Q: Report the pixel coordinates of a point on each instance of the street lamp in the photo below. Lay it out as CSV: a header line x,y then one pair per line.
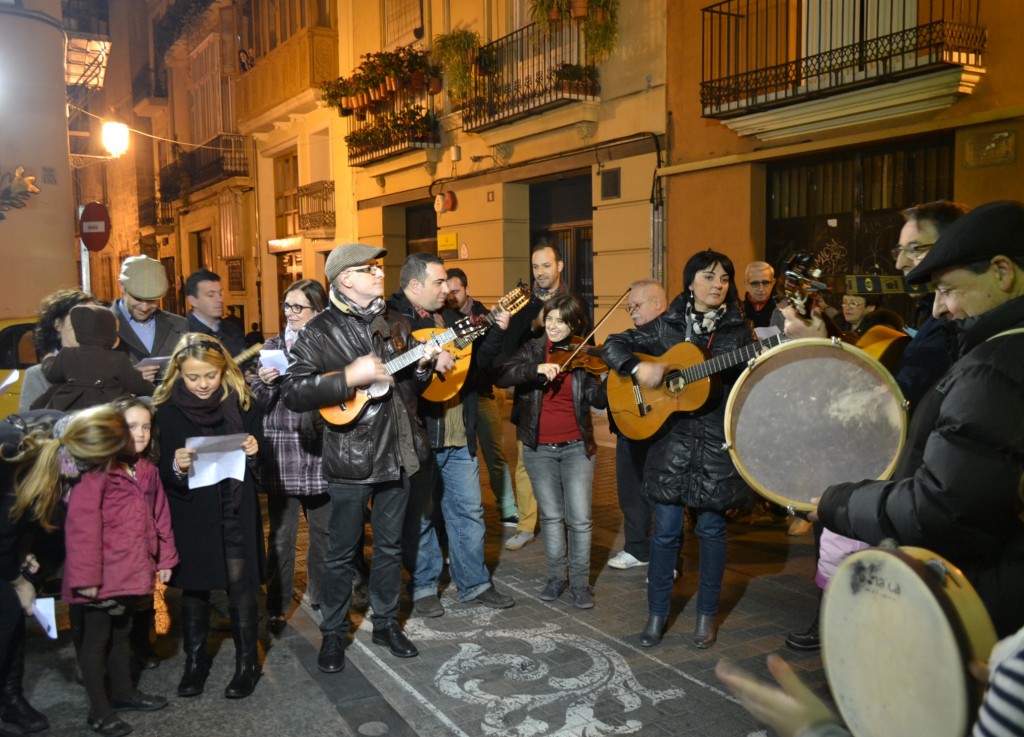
x,y
115,138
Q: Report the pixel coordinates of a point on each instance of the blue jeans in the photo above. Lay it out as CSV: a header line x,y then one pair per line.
x,y
463,513
562,479
348,502
665,542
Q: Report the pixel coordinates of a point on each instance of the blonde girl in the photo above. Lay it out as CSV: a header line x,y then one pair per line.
x,y
218,527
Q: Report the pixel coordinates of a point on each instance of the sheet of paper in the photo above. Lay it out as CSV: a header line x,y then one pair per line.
x,y
43,611
160,361
217,458
274,359
765,333
9,381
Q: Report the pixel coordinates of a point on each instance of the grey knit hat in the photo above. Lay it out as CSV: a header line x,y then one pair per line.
x,y
349,255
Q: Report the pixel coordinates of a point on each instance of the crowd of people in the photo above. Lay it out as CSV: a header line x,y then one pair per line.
x,y
342,428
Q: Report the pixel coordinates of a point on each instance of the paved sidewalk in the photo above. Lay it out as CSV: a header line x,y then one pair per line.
x,y
535,670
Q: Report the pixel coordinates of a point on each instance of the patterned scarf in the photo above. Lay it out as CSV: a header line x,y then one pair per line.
x,y
704,323
208,414
545,294
367,314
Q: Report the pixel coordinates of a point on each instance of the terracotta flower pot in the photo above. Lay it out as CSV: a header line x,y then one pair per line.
x,y
579,9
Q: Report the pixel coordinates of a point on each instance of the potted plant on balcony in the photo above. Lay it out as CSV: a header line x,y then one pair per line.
x,y
579,9
548,11
455,51
601,29
576,79
433,79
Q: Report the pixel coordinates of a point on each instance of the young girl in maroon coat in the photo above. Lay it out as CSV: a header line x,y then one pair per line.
x,y
118,538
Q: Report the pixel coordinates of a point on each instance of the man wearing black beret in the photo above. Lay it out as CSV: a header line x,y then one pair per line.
x,y
956,486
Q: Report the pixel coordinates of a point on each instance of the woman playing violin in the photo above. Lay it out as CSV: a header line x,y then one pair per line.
x,y
559,451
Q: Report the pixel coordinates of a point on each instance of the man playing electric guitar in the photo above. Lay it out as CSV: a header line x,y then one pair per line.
x,y
451,428
371,458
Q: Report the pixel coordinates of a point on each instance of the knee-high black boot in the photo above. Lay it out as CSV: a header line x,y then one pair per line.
x,y
16,708
244,631
195,625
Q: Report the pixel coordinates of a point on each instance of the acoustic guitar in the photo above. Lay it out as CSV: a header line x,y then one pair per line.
x,y
640,412
445,386
348,411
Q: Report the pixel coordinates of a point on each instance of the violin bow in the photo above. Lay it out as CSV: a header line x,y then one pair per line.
x,y
583,343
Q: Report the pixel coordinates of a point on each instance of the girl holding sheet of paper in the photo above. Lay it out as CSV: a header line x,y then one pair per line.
x,y
218,527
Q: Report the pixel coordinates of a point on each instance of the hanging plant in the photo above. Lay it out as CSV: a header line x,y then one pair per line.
x,y
549,11
601,29
455,51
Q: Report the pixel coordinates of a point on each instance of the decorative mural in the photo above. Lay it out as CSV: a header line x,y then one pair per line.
x,y
15,189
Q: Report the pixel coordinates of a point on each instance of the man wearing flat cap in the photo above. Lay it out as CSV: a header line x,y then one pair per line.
x,y
369,456
145,329
956,488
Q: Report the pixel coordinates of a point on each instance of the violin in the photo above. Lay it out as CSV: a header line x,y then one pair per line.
x,y
582,356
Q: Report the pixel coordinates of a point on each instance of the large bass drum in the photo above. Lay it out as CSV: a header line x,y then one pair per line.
x,y
812,413
899,628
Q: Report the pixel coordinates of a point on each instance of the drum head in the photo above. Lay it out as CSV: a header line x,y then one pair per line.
x,y
897,639
812,413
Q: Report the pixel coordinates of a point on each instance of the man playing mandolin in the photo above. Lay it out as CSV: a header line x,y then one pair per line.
x,y
340,351
451,429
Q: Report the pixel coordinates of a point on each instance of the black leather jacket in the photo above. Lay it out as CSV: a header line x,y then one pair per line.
x,y
687,463
369,449
521,372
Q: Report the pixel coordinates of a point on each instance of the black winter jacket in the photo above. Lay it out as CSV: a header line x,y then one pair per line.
x,y
686,463
956,487
369,449
485,351
521,371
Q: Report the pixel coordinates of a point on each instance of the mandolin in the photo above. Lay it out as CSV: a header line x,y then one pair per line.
x,y
349,410
640,412
445,386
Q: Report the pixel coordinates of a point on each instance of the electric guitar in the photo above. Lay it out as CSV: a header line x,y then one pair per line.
x,y
640,412
445,386
347,411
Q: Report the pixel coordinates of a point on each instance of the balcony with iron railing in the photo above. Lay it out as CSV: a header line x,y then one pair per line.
x,y
316,209
401,121
764,54
149,91
528,71
223,157
155,214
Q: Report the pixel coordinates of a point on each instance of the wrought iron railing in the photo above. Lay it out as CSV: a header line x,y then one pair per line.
x,y
316,205
403,121
526,71
222,157
759,54
149,83
180,15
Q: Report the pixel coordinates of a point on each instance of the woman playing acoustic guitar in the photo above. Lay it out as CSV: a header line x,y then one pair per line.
x,y
687,465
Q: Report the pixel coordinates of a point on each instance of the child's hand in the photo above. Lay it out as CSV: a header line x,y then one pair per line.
x,y
163,575
89,592
250,446
183,458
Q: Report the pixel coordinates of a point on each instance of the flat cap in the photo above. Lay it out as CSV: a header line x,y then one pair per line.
x,y
144,278
349,255
993,229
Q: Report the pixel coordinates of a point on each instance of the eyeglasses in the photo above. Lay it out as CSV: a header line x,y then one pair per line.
x,y
911,250
368,269
633,306
854,303
297,309
765,283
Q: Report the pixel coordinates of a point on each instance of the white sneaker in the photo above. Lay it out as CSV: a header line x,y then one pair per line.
x,y
518,540
623,560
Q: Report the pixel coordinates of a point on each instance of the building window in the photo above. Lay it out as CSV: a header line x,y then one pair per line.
x,y
403,22
286,195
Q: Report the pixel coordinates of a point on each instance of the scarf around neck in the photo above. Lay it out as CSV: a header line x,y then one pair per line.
x,y
704,323
367,314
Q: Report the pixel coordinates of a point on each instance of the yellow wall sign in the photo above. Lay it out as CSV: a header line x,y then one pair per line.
x,y
448,245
